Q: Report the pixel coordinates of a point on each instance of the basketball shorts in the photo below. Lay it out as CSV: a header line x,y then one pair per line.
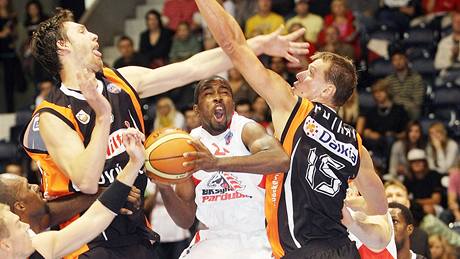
x,y
330,249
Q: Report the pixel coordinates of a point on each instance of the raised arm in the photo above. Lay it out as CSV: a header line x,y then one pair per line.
x,y
267,155
55,244
83,166
150,82
266,83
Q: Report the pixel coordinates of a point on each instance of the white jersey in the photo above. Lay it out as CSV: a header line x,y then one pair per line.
x,y
228,201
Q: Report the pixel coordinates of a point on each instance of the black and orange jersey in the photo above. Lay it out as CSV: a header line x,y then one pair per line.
x,y
71,107
304,204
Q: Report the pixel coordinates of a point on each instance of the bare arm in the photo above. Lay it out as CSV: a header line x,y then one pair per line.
x,y
149,82
266,83
180,203
267,155
54,244
370,186
65,208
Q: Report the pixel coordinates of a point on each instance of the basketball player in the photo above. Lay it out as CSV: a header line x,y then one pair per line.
x,y
17,242
304,206
228,202
85,112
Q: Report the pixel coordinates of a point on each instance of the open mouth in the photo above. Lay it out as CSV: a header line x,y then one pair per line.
x,y
96,52
219,114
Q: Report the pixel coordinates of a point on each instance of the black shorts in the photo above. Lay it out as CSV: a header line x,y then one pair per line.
x,y
326,249
138,251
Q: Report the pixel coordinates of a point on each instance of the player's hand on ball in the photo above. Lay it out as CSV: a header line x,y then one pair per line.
x,y
202,158
132,140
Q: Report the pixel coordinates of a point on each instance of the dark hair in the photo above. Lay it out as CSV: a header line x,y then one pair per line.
x,y
44,40
244,102
28,19
421,143
124,37
205,82
341,73
405,212
157,15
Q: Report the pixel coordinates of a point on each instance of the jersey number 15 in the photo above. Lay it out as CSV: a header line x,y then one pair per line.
x,y
325,164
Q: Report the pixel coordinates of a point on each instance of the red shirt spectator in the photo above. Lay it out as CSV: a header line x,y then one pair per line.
x,y
341,18
434,6
179,11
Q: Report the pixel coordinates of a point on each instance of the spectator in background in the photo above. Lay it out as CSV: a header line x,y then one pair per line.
x,y
382,124
177,11
13,78
439,248
334,45
128,56
294,68
397,14
261,112
278,65
243,10
14,168
413,138
436,6
44,87
447,55
184,45
191,118
243,108
312,22
349,112
364,11
403,223
167,116
422,183
240,88
406,85
452,214
155,42
34,16
397,192
264,22
343,19
442,151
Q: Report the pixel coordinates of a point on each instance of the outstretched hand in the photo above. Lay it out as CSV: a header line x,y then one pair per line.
x,y
132,140
277,45
88,86
202,158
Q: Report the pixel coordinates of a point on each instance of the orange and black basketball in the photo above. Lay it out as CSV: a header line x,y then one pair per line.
x,y
164,151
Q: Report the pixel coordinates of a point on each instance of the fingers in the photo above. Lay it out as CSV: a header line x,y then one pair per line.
x,y
278,31
291,58
125,211
296,34
197,144
300,48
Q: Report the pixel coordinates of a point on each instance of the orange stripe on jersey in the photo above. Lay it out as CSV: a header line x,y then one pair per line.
x,y
360,143
274,183
115,78
64,111
77,253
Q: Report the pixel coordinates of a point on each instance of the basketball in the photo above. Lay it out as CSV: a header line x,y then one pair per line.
x,y
164,151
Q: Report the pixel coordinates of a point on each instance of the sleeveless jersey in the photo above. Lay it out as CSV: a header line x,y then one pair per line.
x,y
228,201
389,252
305,204
71,107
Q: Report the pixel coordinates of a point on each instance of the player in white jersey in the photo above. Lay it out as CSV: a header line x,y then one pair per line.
x,y
227,201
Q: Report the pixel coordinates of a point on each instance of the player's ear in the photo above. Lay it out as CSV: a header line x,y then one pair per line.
x,y
195,109
19,207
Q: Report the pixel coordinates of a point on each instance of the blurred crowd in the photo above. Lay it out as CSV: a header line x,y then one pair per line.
x,y
406,106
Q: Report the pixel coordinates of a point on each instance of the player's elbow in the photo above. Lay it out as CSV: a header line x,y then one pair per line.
x,y
88,187
284,162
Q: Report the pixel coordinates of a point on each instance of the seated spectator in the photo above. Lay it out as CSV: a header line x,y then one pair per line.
x,y
439,248
243,108
437,6
243,10
442,151
397,14
128,56
334,45
422,183
403,223
382,124
177,11
34,16
278,65
452,214
312,22
191,118
155,42
261,112
349,112
44,88
14,168
447,55
292,67
413,138
264,22
397,192
364,11
167,116
406,85
229,7
343,19
184,45
240,88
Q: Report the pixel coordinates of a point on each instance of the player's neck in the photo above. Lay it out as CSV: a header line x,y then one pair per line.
x,y
404,253
70,73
